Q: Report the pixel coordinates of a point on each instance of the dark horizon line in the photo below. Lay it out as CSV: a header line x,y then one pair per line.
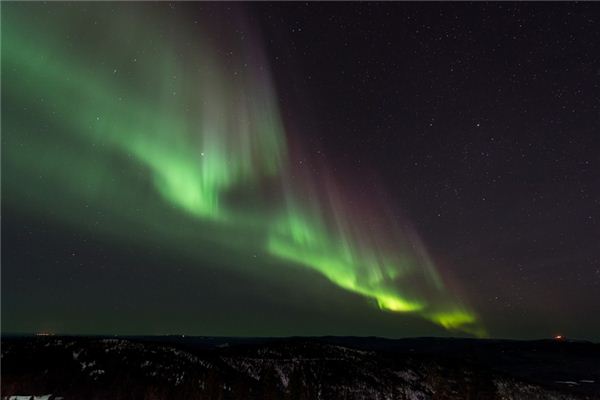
x,y
562,338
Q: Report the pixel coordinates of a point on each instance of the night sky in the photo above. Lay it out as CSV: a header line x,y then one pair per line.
x,y
269,169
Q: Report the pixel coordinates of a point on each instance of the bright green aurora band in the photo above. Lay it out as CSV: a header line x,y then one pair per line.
x,y
188,115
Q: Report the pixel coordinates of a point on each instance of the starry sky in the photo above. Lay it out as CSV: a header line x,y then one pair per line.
x,y
277,169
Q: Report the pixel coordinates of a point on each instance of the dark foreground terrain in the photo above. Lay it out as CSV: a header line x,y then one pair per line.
x,y
53,367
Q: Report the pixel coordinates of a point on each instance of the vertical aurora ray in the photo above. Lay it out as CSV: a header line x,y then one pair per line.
x,y
199,125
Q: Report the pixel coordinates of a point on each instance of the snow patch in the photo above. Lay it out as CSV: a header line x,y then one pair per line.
x,y
570,383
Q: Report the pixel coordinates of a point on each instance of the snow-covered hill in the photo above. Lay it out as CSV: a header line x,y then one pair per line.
x,y
138,368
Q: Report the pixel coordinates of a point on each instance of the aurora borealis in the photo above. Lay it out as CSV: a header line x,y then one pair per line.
x,y
161,128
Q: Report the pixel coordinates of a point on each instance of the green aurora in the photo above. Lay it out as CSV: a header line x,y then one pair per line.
x,y
198,128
